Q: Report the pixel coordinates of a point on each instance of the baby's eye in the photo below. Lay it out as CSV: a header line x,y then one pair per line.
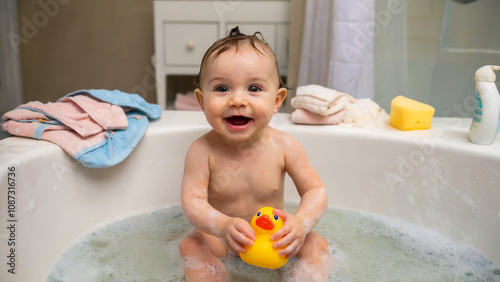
x,y
221,88
276,217
254,88
259,213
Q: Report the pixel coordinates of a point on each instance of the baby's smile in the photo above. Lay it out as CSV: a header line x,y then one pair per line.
x,y
237,122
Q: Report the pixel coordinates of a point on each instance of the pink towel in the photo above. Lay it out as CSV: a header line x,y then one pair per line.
x,y
302,116
61,135
81,113
85,121
30,129
24,114
108,116
186,102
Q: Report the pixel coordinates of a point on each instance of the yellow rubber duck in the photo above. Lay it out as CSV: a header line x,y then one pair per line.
x,y
262,253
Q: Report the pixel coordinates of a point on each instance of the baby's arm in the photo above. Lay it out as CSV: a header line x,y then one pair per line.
x,y
236,232
313,204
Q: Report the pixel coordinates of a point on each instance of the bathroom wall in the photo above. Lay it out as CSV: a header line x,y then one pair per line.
x,y
470,39
67,45
447,42
424,19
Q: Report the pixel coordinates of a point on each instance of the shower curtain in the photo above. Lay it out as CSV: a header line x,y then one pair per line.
x,y
354,46
337,49
10,66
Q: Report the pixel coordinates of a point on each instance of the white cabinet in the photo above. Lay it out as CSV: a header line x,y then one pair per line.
x,y
184,30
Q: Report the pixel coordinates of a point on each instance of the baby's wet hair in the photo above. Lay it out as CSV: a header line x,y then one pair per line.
x,y
233,39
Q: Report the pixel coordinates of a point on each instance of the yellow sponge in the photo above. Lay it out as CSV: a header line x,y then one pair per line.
x,y
408,114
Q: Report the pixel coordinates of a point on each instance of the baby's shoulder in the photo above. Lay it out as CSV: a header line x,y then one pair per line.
x,y
284,139
201,143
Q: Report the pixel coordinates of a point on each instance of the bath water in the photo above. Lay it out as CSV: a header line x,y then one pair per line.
x,y
366,247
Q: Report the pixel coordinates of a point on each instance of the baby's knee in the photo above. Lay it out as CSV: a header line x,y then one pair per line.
x,y
315,261
198,260
318,242
188,245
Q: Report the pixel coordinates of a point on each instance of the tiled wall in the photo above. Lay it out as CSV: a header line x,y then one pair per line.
x,y
441,67
424,19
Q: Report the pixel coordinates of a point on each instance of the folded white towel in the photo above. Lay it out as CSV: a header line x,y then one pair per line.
x,y
320,100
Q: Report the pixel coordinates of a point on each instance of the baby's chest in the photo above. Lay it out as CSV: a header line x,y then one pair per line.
x,y
256,177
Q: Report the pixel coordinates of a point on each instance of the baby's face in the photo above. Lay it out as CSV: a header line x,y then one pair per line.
x,y
240,93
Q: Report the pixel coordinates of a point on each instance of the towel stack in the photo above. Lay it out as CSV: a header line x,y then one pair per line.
x,y
97,127
315,104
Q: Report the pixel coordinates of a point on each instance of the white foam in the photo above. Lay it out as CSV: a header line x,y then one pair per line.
x,y
211,218
406,252
130,249
365,247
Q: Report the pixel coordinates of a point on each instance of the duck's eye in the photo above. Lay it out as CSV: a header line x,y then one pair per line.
x,y
276,217
259,213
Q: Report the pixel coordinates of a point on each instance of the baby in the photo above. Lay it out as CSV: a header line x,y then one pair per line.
x,y
239,166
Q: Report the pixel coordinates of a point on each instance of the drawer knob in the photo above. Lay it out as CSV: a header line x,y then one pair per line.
x,y
190,45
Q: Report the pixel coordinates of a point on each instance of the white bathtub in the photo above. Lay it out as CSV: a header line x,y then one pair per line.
x,y
434,178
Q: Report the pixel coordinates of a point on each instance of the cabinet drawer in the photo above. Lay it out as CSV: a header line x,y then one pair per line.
x,y
185,44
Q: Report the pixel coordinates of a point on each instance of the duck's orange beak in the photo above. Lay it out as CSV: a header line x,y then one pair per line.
x,y
265,222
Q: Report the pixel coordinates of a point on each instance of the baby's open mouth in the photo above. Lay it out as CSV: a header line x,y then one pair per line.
x,y
238,120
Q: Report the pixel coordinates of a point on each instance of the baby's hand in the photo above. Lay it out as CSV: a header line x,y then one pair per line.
x,y
237,232
292,234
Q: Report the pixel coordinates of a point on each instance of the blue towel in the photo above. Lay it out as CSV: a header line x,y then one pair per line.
x,y
122,99
117,146
119,143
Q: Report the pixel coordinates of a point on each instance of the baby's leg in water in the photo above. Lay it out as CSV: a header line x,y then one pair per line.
x,y
314,261
201,254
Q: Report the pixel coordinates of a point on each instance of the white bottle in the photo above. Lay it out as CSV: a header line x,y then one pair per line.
x,y
486,120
